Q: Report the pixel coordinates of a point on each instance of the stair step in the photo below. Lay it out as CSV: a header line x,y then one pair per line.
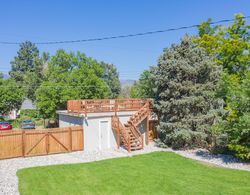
x,y
126,131
134,142
136,148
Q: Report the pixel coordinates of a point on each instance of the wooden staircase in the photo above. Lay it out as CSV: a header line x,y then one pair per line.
x,y
131,137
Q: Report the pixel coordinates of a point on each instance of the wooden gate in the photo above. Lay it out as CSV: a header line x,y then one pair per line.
x,y
22,143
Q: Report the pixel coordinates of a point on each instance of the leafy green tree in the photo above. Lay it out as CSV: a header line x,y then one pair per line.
x,y
237,126
231,48
11,96
230,45
70,76
111,77
144,87
186,79
205,28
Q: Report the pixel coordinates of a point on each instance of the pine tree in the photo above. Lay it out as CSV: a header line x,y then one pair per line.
x,y
26,69
186,80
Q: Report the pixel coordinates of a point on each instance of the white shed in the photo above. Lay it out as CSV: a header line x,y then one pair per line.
x,y
104,129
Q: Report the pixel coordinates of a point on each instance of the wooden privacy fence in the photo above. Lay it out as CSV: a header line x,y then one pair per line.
x,y
23,143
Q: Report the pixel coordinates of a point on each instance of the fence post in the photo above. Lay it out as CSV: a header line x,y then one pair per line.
x,y
47,142
23,143
70,139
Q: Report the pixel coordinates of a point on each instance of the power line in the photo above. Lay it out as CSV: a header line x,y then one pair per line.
x,y
121,36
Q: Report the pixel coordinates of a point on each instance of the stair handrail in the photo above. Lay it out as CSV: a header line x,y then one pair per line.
x,y
141,110
139,136
137,133
116,124
131,126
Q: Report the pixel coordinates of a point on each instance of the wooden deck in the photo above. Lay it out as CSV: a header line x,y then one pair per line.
x,y
104,105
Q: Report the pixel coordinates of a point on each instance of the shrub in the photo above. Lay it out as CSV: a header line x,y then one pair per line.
x,y
241,151
29,113
180,139
219,144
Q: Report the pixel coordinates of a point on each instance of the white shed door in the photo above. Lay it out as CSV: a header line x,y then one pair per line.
x,y
104,135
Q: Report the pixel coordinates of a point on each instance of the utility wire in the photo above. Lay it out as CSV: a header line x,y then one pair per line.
x,y
121,36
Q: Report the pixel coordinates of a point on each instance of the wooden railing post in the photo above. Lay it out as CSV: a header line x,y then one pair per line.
x,y
23,143
79,106
85,109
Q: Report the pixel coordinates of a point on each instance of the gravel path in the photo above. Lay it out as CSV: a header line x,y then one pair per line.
x,y
8,168
222,160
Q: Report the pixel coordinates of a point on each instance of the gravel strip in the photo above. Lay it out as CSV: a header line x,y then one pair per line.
x,y
8,168
222,160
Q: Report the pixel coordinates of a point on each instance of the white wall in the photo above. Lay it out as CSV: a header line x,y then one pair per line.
x,y
91,133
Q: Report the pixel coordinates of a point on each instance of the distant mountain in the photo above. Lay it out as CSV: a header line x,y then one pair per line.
x,y
6,76
127,82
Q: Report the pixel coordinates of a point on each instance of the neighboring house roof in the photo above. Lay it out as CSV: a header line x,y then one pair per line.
x,y
28,104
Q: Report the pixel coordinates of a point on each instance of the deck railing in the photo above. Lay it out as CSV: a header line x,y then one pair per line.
x,y
104,105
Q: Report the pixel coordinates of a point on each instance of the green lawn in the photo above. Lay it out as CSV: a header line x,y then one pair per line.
x,y
155,173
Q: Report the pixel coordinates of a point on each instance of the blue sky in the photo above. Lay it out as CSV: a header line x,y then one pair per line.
x,y
48,20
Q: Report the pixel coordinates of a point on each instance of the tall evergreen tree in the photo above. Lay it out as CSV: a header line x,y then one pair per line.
x,y
186,80
26,69
25,61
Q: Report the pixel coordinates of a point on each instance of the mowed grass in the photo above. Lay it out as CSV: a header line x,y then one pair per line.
x,y
155,173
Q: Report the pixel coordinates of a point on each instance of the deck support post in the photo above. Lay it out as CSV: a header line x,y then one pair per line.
x,y
118,139
148,117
